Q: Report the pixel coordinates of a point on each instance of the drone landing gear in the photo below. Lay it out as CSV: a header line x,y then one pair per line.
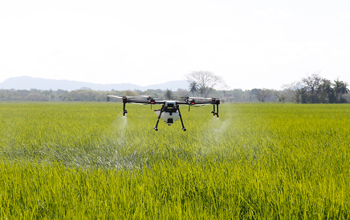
x,y
217,111
183,127
160,115
124,110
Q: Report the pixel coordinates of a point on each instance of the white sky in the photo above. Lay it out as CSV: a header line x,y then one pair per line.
x,y
252,44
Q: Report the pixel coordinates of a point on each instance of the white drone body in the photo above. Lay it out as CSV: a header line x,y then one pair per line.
x,y
170,113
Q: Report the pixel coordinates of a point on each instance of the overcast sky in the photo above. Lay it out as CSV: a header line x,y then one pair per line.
x,y
252,44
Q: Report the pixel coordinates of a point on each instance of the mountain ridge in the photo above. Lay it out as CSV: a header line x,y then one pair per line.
x,y
27,83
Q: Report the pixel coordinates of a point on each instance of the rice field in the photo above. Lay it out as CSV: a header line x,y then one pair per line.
x,y
258,161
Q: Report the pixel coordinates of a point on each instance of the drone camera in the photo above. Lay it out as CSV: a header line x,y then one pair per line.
x,y
170,105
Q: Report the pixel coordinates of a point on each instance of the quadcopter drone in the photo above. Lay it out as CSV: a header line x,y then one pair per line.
x,y
170,110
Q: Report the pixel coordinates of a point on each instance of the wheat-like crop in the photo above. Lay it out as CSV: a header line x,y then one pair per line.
x,y
258,161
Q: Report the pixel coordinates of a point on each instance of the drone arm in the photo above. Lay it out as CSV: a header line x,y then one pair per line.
x,y
198,103
217,110
150,102
160,114
182,102
213,112
138,101
124,110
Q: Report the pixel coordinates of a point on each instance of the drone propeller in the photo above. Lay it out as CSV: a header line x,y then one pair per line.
x,y
122,97
189,98
227,99
115,96
198,98
148,97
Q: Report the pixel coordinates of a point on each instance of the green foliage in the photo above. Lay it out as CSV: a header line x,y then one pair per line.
x,y
168,94
315,89
129,93
258,161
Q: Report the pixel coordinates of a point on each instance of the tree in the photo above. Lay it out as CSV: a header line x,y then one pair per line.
x,y
129,93
279,96
282,98
168,94
193,88
313,85
340,88
181,93
327,95
206,81
293,91
262,94
315,89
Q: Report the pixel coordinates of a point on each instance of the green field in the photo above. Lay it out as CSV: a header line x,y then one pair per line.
x,y
258,161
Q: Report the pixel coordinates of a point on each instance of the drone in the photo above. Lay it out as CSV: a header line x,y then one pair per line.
x,y
170,110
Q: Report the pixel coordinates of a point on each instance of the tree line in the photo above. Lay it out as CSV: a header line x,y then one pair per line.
x,y
83,94
315,89
311,89
236,95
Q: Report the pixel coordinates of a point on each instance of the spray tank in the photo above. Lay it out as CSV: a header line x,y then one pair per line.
x,y
170,113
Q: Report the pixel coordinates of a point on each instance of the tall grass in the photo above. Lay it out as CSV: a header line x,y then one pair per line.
x,y
84,160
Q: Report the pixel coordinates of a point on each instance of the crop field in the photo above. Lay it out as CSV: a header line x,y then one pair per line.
x,y
258,161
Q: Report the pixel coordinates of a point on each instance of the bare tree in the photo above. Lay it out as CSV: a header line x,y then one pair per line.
x,y
294,91
262,94
206,81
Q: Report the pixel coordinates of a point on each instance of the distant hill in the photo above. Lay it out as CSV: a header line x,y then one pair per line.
x,y
26,82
